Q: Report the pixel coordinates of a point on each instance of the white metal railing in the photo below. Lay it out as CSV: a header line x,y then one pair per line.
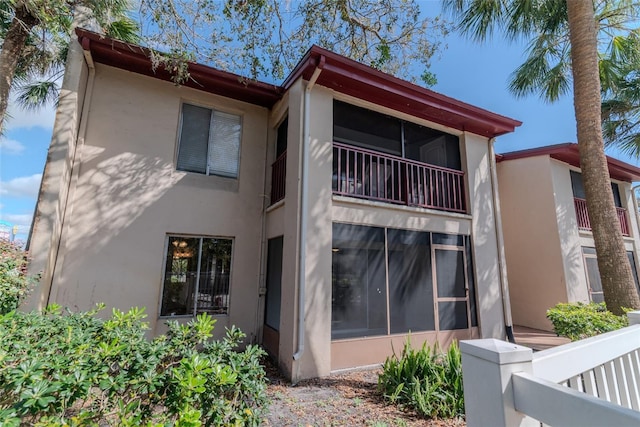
x,y
592,382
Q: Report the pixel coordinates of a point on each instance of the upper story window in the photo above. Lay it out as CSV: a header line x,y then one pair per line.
x,y
578,189
209,141
379,132
282,136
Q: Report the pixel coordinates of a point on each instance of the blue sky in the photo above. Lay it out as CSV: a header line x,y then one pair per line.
x,y
468,71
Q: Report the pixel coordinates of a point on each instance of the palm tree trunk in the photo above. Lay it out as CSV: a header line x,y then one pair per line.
x,y
617,281
12,46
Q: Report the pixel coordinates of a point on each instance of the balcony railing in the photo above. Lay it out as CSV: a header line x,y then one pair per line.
x,y
583,216
278,178
376,176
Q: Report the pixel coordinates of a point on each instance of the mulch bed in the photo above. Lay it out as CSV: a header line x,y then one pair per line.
x,y
345,399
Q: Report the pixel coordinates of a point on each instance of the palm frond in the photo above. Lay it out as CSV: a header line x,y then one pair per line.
x,y
125,29
38,94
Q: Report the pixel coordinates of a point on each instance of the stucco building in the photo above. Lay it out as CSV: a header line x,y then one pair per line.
x,y
326,217
549,246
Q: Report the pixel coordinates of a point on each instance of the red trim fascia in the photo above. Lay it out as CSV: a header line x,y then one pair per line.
x,y
568,153
339,73
363,82
137,59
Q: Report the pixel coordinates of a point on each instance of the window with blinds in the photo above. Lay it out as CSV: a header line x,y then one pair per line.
x,y
209,141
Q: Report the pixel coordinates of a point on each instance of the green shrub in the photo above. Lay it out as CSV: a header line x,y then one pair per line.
x,y
577,320
425,380
14,281
76,369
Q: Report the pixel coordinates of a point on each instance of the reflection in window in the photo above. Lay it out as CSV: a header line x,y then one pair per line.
x,y
378,132
359,293
594,283
410,282
368,262
196,279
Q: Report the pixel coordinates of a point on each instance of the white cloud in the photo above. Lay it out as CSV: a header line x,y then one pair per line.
x,y
11,146
19,118
24,186
21,220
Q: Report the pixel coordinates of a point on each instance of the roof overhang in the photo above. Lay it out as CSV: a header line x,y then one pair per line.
x,y
338,73
363,82
137,59
568,153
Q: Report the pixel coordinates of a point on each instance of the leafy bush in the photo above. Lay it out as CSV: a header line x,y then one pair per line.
x,y
76,369
14,281
577,320
425,380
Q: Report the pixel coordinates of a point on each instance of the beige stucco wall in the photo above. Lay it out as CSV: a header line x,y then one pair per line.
x,y
532,240
127,196
44,236
575,280
483,235
324,209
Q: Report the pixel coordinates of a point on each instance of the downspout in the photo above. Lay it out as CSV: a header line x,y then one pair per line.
x,y
262,281
303,207
80,136
502,264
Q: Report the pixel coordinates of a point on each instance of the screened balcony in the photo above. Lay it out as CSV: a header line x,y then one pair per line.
x,y
387,159
582,216
372,175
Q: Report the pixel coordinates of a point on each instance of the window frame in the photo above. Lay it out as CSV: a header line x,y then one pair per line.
x,y
437,241
165,251
238,113
453,163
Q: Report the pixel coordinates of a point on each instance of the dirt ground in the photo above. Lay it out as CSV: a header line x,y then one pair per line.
x,y
345,399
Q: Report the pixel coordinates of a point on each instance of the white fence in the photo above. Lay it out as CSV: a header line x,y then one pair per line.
x,y
592,382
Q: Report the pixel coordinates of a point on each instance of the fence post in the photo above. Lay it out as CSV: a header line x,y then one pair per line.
x,y
634,317
487,366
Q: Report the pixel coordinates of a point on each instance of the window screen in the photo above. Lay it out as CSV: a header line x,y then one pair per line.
x,y
593,275
379,132
368,261
616,195
634,270
577,185
274,283
366,128
281,140
450,273
359,296
224,148
410,281
194,139
209,141
452,315
197,274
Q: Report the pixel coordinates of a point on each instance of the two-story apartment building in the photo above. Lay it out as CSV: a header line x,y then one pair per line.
x,y
549,246
327,217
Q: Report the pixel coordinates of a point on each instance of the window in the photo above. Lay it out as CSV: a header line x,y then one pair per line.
x,y
274,283
375,131
594,284
577,185
196,277
359,297
209,141
281,138
390,281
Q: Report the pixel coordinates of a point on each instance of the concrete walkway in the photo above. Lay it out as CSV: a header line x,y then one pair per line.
x,y
537,339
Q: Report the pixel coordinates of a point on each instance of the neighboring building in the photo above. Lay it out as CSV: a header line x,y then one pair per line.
x,y
326,217
547,237
8,231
